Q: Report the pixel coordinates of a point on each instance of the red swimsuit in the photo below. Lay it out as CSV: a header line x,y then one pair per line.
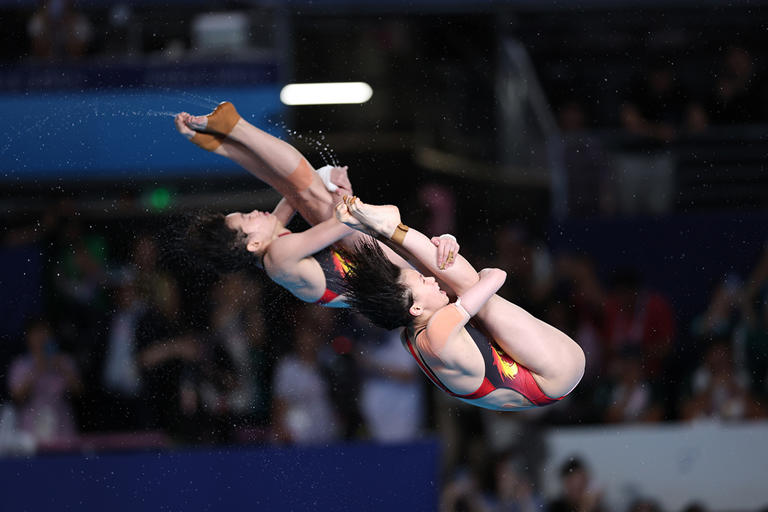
x,y
333,266
501,371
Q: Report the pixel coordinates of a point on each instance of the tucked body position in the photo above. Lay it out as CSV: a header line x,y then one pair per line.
x,y
481,348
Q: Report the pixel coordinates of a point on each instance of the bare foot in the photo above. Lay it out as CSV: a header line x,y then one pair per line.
x,y
221,121
197,123
181,125
382,219
207,141
343,216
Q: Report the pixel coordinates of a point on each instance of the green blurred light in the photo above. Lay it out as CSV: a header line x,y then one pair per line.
x,y
160,198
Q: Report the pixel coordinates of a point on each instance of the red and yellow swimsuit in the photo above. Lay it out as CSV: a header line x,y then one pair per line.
x,y
501,371
334,268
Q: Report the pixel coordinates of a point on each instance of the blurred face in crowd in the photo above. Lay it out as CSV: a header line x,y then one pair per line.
x,y
661,80
510,482
575,484
738,62
720,358
145,253
38,337
127,295
630,369
307,342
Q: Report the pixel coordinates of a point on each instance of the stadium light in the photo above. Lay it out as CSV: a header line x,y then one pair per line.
x,y
330,93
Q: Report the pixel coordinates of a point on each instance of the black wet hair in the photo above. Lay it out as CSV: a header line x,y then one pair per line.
x,y
373,286
210,243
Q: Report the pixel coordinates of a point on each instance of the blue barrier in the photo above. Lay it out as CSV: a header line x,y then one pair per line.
x,y
355,477
119,133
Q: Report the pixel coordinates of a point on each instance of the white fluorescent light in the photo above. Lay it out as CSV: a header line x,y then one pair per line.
x,y
326,93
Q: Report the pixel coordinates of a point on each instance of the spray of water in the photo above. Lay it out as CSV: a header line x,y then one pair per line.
x,y
316,142
73,113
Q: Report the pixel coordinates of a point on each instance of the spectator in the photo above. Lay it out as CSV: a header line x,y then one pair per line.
x,y
637,316
514,489
169,353
736,95
654,113
462,494
151,281
586,161
754,305
339,362
656,108
719,390
79,277
629,397
721,315
392,397
41,383
462,432
121,372
585,300
578,493
720,319
229,389
261,355
302,408
528,266
57,30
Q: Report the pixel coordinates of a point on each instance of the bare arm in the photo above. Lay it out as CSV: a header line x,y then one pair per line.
x,y
420,251
491,279
297,246
284,211
182,347
382,221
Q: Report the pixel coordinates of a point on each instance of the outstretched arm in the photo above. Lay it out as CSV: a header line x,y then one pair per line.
x,y
290,249
284,211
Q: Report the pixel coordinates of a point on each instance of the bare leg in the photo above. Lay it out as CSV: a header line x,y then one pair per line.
x,y
270,159
284,159
554,359
314,203
229,149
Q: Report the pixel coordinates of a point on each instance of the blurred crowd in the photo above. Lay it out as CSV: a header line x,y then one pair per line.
x,y
118,339
661,103
125,343
668,119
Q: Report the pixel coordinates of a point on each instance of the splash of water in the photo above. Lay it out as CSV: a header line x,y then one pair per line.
x,y
315,142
